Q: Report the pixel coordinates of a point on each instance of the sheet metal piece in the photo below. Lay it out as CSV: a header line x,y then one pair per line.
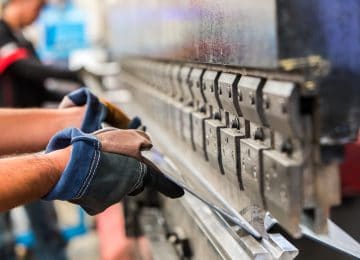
x,y
200,190
336,238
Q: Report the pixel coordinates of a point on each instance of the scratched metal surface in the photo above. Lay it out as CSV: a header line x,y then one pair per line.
x,y
236,32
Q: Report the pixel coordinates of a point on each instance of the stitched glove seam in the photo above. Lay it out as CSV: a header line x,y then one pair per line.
x,y
91,173
140,178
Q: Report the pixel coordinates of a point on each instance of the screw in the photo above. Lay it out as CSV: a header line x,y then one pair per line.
x,y
259,134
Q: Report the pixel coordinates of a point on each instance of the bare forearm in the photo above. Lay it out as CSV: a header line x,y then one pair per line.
x,y
29,130
27,178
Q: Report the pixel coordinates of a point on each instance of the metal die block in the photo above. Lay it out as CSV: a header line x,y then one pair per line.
x,y
184,84
230,154
209,87
283,189
199,140
250,99
178,119
213,142
187,125
169,114
195,80
177,94
228,93
168,80
252,170
281,102
163,111
173,123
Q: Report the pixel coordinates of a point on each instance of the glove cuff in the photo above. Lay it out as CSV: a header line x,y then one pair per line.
x,y
95,111
80,170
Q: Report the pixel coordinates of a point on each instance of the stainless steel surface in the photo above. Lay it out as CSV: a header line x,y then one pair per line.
x,y
251,98
274,161
231,31
234,145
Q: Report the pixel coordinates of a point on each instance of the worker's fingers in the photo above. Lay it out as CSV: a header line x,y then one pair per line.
x,y
66,102
159,182
135,123
125,142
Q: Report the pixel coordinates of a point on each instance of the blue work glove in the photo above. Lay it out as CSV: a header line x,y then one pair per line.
x,y
104,167
98,111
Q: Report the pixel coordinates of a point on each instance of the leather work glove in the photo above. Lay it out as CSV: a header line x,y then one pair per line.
x,y
98,111
104,167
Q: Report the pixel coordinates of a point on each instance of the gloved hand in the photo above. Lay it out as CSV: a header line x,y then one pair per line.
x,y
98,111
104,167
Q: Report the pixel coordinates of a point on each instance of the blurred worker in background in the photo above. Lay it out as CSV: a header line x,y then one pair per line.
x,y
22,84
22,76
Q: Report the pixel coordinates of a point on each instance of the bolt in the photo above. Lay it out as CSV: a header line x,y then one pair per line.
x,y
259,134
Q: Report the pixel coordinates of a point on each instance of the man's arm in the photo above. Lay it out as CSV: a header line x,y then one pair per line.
x,y
34,70
30,177
29,130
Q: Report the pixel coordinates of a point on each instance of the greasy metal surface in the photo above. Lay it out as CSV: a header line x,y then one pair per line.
x,y
256,34
214,31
